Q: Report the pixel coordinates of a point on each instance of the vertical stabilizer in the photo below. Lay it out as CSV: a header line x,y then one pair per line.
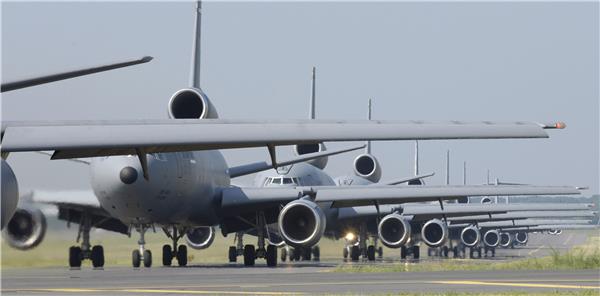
x,y
447,167
369,112
311,112
195,71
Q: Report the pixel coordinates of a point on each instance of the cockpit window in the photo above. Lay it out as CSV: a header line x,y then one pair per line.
x,y
287,181
276,181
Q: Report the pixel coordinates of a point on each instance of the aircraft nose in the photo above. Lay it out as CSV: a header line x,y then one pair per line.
x,y
128,175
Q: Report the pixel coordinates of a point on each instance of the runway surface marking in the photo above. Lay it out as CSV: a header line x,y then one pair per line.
x,y
568,239
527,285
154,291
535,251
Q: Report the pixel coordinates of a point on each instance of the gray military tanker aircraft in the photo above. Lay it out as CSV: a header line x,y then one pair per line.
x,y
170,172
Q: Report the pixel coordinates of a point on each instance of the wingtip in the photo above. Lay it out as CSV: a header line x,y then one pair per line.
x,y
556,125
146,59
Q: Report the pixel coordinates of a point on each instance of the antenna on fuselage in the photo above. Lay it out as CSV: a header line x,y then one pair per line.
x,y
195,70
311,111
369,113
448,167
464,173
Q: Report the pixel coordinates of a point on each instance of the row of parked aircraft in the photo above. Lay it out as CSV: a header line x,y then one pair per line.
x,y
171,174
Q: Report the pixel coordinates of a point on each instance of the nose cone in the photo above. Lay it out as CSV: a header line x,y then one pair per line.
x,y
128,175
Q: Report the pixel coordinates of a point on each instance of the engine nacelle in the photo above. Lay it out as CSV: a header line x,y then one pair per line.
x,y
10,193
491,238
434,233
555,231
522,237
26,229
191,103
302,149
470,236
200,237
505,239
276,240
367,166
301,223
394,231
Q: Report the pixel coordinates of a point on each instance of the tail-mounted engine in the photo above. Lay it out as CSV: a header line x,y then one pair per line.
x,y
434,233
367,166
394,231
470,236
301,223
26,229
200,237
191,103
302,149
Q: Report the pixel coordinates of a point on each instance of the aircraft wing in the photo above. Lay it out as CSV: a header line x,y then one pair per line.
x,y
527,223
247,198
549,228
523,215
80,139
71,205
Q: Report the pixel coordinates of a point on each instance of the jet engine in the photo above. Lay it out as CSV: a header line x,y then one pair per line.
x,y
301,223
26,229
10,193
367,166
505,239
191,103
491,238
434,233
302,149
200,237
394,231
522,237
470,236
555,231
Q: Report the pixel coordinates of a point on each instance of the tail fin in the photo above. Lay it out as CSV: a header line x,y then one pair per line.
x,y
368,143
311,114
195,71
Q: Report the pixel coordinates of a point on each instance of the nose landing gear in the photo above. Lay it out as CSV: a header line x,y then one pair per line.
x,y
137,256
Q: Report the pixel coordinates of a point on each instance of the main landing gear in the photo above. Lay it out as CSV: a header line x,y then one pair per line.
x,y
301,253
85,251
251,253
414,250
141,255
368,252
177,252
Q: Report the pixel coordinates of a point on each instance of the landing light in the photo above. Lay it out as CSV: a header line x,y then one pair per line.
x,y
350,236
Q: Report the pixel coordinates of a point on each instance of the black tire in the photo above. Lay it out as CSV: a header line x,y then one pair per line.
x,y
135,258
182,258
167,255
345,253
380,252
74,257
479,252
97,256
271,256
403,251
249,255
371,253
284,254
232,254
416,252
147,258
297,254
471,251
306,254
316,251
493,252
354,253
455,252
445,251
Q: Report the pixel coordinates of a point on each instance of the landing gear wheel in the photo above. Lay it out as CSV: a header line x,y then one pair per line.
x,y
371,253
493,252
147,258
354,253
306,254
471,251
455,253
445,251
283,254
97,256
380,252
249,254
316,251
232,254
74,257
479,252
135,258
297,254
403,252
167,255
345,253
182,255
416,252
271,256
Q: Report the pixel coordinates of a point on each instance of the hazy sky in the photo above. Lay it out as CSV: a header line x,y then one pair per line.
x,y
430,61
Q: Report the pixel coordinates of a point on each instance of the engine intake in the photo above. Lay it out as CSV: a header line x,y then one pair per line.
x,y
394,231
200,237
191,103
491,238
302,149
367,166
301,223
10,193
470,236
505,239
26,229
522,237
434,233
